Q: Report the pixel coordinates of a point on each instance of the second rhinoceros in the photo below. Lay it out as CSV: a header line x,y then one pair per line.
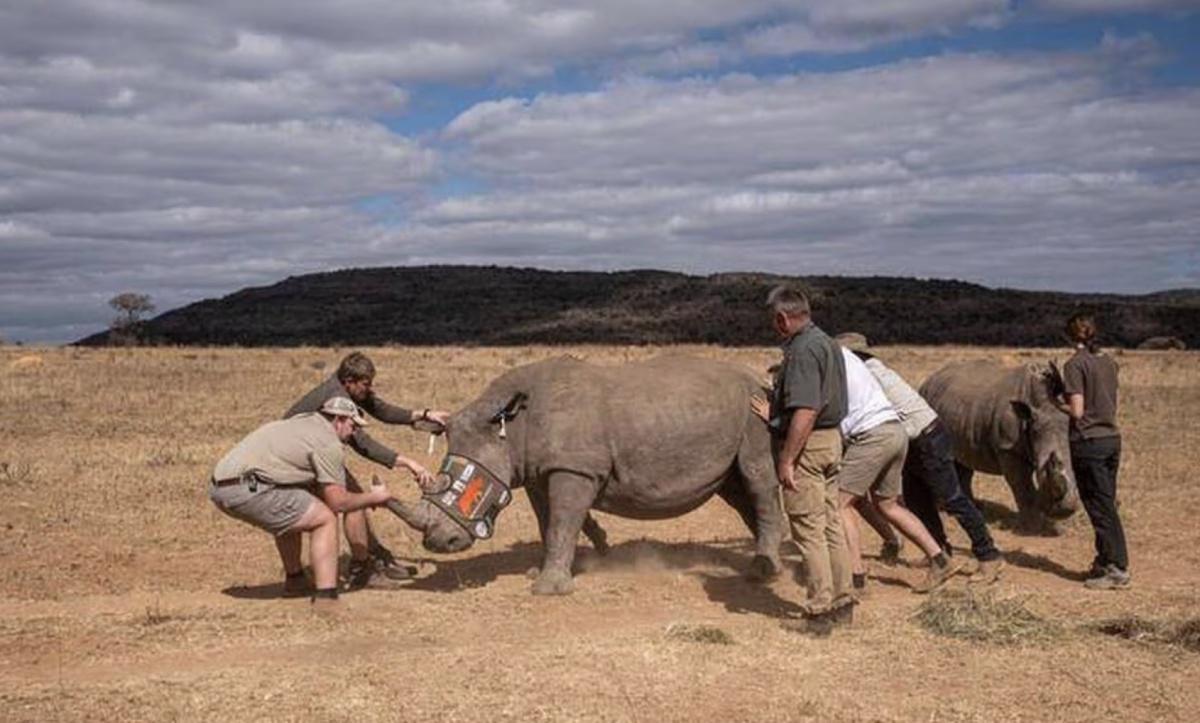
x,y
1004,421
646,440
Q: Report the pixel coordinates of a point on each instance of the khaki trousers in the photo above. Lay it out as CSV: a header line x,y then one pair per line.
x,y
816,523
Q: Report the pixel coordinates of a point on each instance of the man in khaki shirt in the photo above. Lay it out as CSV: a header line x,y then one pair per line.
x,y
289,477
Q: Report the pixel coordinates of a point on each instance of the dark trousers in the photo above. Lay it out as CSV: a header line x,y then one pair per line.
x,y
1095,462
930,478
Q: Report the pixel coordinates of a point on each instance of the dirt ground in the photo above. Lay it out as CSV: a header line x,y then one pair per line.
x,y
126,595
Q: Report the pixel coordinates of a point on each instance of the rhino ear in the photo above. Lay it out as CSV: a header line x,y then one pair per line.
x,y
510,410
1022,410
1057,386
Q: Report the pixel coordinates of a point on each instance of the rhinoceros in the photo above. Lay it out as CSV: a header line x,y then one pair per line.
x,y
646,440
1004,421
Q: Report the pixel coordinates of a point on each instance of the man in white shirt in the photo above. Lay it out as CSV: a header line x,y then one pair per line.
x,y
875,447
929,477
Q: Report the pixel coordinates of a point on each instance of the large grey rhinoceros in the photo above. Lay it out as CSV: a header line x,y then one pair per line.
x,y
1004,421
646,440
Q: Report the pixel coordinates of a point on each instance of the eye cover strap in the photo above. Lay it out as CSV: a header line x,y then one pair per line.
x,y
474,496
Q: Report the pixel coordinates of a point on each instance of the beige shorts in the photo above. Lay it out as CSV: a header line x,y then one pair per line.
x,y
270,508
874,460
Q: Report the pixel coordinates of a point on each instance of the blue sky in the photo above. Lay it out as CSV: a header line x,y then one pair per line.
x,y
191,149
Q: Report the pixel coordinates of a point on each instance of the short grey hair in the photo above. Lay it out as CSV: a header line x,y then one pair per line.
x,y
787,300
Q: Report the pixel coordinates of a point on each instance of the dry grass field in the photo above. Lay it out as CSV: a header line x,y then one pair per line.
x,y
125,595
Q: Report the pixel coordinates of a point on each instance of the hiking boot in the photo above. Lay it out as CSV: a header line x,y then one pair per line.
x,y
843,615
939,572
818,625
395,569
889,554
1114,578
368,574
987,573
296,586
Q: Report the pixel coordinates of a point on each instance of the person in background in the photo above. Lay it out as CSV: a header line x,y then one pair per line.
x,y
1090,398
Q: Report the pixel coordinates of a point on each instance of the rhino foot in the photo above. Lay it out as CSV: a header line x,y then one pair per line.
x,y
763,568
1036,524
600,543
553,583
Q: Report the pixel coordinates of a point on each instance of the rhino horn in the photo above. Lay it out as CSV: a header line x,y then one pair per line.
x,y
410,514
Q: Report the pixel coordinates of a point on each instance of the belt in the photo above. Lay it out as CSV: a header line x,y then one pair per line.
x,y
930,428
250,479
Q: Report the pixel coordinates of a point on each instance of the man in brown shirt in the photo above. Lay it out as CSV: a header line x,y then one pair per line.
x,y
289,477
1090,393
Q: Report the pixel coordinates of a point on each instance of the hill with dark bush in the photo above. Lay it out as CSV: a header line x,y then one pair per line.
x,y
475,305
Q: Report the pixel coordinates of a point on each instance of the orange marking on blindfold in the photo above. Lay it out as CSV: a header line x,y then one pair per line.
x,y
470,495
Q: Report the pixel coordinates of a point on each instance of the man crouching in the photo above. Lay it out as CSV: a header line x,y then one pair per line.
x,y
288,477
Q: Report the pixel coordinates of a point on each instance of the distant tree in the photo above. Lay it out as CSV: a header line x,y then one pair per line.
x,y
130,308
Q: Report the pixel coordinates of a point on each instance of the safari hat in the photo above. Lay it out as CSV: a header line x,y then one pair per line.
x,y
344,407
852,341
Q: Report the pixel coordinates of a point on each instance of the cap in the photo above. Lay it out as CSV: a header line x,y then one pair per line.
x,y
344,407
852,340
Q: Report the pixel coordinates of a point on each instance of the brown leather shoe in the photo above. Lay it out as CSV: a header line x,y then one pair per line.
x,y
368,574
819,625
987,573
937,576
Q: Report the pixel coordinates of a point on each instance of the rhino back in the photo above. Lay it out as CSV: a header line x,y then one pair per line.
x,y
973,399
663,434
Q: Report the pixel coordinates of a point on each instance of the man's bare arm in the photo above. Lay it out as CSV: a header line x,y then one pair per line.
x,y
1074,406
340,500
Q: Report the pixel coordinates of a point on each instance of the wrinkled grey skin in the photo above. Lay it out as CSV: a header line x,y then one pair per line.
x,y
1004,421
646,440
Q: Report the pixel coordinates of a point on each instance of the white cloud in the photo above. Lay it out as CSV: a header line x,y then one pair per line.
x,y
1031,171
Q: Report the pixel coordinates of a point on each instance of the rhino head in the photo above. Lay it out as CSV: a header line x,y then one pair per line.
x,y
473,482
1045,431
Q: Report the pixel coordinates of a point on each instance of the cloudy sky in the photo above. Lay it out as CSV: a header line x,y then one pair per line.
x,y
188,149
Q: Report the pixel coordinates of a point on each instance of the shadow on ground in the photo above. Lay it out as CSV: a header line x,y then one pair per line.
x,y
1030,561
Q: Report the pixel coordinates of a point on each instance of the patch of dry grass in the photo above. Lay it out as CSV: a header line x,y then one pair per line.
x,y
698,633
985,617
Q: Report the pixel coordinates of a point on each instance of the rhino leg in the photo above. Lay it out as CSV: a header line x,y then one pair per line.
x,y
596,534
754,492
1019,476
570,496
766,563
541,510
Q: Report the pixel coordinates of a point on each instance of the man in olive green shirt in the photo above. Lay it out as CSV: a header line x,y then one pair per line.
x,y
289,477
808,403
